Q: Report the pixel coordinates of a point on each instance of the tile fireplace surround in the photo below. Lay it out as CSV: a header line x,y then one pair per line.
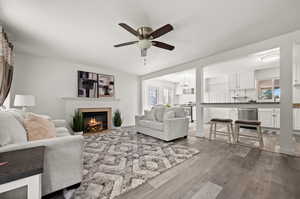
x,y
96,119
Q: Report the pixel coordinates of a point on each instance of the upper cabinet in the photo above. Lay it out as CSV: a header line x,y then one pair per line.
x,y
233,81
247,80
179,90
296,68
241,80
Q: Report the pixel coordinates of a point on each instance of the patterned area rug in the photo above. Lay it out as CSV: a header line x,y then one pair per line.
x,y
121,160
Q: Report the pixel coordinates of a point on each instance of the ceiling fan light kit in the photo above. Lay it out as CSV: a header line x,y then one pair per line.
x,y
145,37
144,44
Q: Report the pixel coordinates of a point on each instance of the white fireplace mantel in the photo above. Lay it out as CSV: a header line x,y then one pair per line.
x,y
74,103
102,99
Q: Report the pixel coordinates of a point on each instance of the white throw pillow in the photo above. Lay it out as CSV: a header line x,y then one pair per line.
x,y
18,114
11,131
169,115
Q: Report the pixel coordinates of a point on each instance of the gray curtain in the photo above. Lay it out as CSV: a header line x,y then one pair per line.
x,y
6,66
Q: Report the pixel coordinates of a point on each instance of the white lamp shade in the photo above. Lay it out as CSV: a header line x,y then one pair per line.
x,y
24,100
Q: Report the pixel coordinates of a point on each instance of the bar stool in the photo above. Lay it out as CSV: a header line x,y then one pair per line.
x,y
249,123
213,128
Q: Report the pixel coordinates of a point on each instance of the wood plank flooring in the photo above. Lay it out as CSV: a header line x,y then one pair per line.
x,y
223,171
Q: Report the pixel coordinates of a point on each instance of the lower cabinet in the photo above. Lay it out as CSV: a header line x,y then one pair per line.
x,y
276,116
297,118
217,113
233,114
269,117
265,116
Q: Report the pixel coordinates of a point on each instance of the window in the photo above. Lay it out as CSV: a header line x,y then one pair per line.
x,y
152,96
269,89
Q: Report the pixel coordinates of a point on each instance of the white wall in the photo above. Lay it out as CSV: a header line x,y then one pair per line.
x,y
267,73
50,80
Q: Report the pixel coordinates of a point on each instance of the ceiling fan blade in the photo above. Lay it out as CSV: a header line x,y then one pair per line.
x,y
161,31
125,44
129,29
162,45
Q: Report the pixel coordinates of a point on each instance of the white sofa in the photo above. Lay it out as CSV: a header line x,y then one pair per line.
x,y
63,154
164,123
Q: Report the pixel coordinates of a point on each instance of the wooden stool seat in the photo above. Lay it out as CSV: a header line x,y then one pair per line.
x,y
213,128
249,123
221,120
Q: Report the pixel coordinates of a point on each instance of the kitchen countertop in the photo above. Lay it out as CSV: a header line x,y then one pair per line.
x,y
246,104
242,103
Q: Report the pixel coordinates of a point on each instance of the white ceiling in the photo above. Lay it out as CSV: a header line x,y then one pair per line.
x,y
251,62
85,31
179,77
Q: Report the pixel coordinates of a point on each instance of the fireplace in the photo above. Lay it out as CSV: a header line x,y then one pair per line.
x,y
96,119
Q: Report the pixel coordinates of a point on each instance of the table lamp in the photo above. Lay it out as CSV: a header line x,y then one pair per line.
x,y
24,101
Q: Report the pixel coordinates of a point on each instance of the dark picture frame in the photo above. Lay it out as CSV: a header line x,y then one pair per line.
x,y
94,85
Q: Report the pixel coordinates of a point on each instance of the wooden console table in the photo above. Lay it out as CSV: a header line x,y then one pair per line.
x,y
22,168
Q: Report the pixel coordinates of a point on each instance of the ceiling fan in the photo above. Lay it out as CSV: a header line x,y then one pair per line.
x,y
146,37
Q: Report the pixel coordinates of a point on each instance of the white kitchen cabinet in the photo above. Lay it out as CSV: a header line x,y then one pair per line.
x,y
216,89
296,73
266,117
269,118
246,80
218,113
296,65
179,90
241,80
233,114
233,81
297,119
276,118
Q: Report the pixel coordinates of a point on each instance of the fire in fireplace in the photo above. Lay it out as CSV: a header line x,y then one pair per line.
x,y
93,125
96,119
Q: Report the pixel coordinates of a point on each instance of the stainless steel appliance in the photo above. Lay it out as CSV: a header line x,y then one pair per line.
x,y
247,114
189,110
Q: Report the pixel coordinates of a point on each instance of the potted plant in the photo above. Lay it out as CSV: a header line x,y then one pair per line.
x,y
117,120
77,125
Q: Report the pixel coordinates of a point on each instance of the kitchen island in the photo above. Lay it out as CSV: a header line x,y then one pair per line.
x,y
267,112
245,105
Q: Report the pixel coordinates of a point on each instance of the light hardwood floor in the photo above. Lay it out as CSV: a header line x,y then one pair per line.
x,y
223,171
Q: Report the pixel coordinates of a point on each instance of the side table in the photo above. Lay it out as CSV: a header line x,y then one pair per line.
x,y
22,168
